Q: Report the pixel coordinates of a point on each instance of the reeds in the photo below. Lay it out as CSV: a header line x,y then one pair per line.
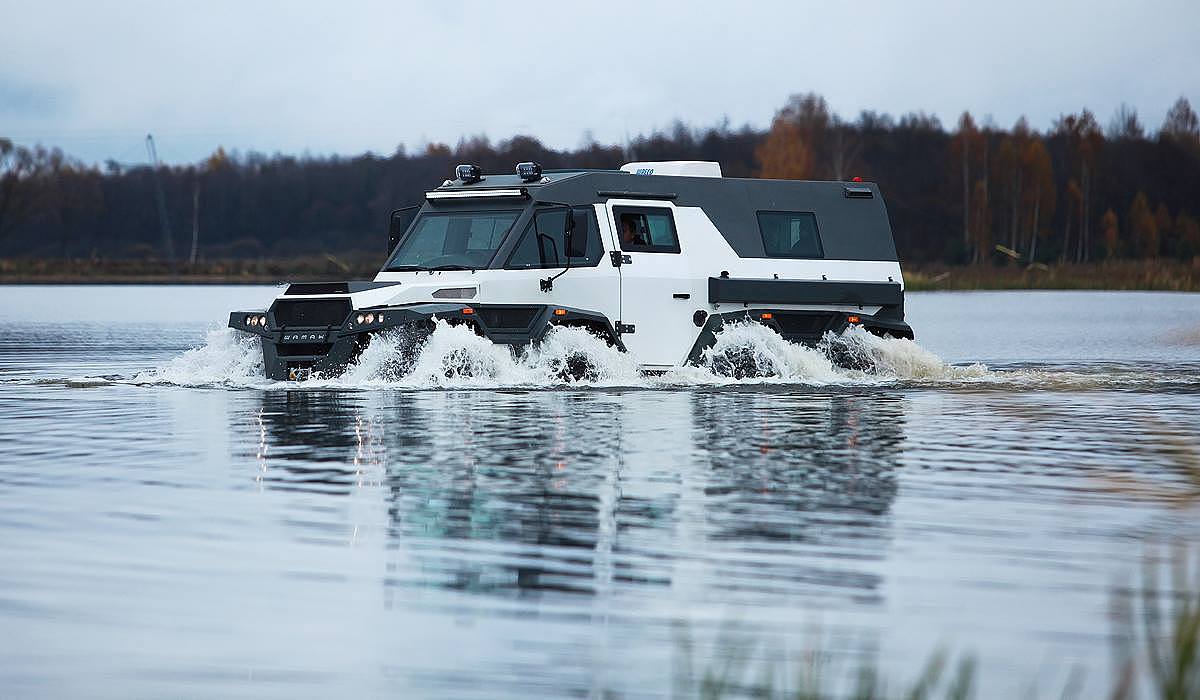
x,y
1156,643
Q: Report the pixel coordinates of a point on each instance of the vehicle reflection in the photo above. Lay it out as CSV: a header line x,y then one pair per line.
x,y
565,493
310,441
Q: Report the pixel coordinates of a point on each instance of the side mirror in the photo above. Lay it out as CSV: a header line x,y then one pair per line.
x,y
398,223
577,233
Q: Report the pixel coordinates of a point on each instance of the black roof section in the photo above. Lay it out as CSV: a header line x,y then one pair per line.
x,y
852,225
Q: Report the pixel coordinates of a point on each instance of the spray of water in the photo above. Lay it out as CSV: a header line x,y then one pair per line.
x,y
454,356
754,351
227,358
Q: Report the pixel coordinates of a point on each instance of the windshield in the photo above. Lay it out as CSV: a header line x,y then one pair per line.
x,y
452,240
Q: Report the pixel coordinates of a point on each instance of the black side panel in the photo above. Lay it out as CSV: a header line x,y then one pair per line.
x,y
317,288
724,290
299,288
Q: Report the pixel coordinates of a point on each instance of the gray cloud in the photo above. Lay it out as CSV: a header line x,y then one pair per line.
x,y
307,76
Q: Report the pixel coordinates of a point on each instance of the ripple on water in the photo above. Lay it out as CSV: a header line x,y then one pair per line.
x,y
485,537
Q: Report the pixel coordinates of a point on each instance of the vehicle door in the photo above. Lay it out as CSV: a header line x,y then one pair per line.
x,y
656,284
541,253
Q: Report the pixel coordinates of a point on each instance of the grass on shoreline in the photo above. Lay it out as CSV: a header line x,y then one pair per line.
x,y
1142,275
1148,275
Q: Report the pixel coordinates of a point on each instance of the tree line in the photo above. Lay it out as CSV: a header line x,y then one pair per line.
x,y
977,193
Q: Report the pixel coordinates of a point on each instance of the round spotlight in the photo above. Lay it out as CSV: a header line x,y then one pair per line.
x,y
360,318
248,321
262,321
370,318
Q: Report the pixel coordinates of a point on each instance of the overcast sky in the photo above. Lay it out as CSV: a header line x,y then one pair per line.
x,y
348,77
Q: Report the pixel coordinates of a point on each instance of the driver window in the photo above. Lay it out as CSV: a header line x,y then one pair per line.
x,y
646,229
542,243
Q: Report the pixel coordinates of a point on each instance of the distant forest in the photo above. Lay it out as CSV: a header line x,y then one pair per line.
x,y
975,193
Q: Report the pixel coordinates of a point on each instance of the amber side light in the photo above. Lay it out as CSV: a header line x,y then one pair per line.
x,y
467,311
852,319
560,312
767,317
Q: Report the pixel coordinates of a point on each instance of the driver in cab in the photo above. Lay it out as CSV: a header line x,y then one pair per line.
x,y
630,236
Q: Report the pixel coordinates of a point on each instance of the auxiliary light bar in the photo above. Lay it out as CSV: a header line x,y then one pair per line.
x,y
479,194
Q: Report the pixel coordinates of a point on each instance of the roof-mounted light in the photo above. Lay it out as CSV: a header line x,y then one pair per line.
x,y
468,173
529,172
479,193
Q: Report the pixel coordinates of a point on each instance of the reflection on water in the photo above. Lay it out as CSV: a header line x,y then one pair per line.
x,y
597,490
218,540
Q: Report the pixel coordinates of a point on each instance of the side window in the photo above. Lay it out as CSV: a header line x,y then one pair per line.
x,y
542,243
790,234
646,229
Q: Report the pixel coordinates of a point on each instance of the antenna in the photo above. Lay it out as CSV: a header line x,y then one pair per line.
x,y
168,243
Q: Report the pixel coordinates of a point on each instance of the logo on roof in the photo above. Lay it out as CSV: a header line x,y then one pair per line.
x,y
644,171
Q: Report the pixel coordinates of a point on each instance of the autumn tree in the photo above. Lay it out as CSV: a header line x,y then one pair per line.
x,y
1142,227
1039,195
792,147
1111,233
785,154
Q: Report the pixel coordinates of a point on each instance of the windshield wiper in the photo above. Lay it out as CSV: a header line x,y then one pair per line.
x,y
403,268
439,268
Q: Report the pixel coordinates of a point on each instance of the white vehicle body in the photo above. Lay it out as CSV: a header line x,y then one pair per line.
x,y
662,306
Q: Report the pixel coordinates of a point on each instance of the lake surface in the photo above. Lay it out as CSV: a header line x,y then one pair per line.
x,y
173,525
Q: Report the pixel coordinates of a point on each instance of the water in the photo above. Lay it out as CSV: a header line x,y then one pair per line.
x,y
172,524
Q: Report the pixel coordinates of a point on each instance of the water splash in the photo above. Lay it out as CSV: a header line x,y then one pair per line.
x,y
454,356
754,351
897,358
227,358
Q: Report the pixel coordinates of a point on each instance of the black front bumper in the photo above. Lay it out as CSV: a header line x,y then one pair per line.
x,y
294,352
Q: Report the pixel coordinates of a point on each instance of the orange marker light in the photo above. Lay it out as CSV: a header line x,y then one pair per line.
x,y
767,317
560,312
467,311
852,319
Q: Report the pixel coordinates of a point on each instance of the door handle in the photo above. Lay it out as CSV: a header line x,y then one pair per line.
x,y
680,295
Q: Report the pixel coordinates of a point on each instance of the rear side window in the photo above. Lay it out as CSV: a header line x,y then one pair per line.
x,y
790,234
646,229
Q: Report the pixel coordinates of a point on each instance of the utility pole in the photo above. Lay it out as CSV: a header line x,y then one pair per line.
x,y
168,243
